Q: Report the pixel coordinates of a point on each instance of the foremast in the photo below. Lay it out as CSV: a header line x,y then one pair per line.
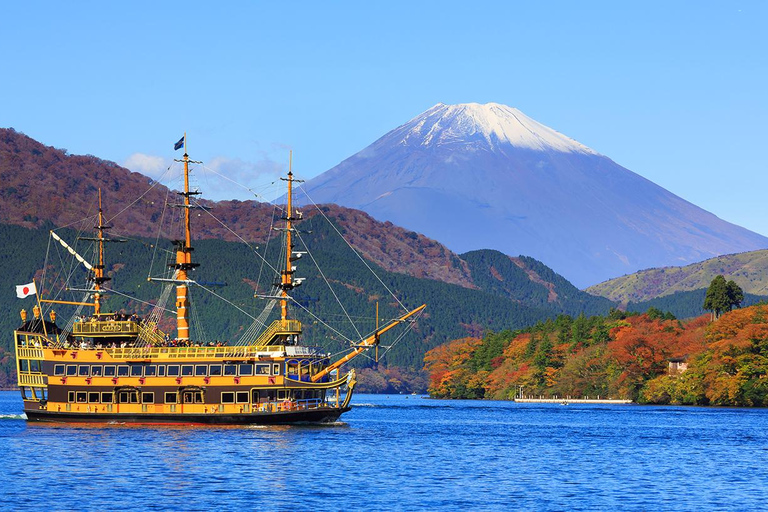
x,y
98,270
183,264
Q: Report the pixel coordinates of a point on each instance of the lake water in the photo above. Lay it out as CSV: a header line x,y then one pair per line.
x,y
401,453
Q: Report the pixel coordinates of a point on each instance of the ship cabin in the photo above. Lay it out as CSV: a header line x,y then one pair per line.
x,y
106,366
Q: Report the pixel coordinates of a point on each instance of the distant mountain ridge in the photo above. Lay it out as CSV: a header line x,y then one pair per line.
x,y
749,270
489,177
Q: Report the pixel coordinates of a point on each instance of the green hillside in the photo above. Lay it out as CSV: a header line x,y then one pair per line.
x,y
453,311
530,281
748,269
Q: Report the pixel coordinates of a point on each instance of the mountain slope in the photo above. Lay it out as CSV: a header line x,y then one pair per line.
x,y
487,176
40,184
529,281
749,270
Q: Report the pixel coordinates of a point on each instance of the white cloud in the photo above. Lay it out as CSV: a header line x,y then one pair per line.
x,y
148,165
218,179
231,178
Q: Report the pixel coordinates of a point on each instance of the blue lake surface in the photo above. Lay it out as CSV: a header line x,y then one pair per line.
x,y
399,453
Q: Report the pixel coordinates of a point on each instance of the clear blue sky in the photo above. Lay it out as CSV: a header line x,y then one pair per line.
x,y
675,91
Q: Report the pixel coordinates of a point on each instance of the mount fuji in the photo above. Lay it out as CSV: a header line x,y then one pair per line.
x,y
487,176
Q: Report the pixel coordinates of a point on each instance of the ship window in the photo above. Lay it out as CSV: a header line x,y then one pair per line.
x,y
58,369
228,397
282,394
186,370
83,370
242,397
122,371
128,397
81,397
276,369
148,398
150,371
96,371
70,396
173,371
136,370
215,369
170,398
192,397
71,370
93,397
230,369
161,371
262,369
246,369
106,397
201,370
109,371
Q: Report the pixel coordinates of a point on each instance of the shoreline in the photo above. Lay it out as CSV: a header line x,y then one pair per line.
x,y
566,401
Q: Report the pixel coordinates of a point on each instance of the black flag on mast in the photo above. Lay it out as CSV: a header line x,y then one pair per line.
x,y
179,144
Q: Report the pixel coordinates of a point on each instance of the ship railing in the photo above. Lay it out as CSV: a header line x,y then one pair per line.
x,y
310,403
31,379
287,405
30,345
105,328
189,352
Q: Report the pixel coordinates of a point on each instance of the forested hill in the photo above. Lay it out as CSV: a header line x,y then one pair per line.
x,y
527,280
42,186
453,311
748,269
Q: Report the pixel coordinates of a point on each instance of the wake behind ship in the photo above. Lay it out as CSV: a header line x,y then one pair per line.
x,y
120,367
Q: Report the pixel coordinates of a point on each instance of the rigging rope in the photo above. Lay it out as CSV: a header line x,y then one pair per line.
x,y
353,249
329,285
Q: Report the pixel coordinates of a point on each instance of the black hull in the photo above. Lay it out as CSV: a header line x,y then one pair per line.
x,y
326,415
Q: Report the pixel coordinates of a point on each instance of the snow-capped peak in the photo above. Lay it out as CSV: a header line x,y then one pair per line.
x,y
496,123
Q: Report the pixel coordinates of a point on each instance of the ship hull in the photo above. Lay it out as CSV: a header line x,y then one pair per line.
x,y
314,416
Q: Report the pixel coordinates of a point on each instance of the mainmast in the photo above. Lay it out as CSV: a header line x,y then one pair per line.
x,y
286,278
184,257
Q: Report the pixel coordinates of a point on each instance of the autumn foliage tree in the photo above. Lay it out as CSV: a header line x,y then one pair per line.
x,y
622,356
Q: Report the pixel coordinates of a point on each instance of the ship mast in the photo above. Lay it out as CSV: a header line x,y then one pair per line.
x,y
98,270
184,258
286,278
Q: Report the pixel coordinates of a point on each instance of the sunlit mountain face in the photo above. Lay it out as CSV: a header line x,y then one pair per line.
x,y
489,177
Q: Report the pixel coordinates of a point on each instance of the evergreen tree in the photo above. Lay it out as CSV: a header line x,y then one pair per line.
x,y
722,296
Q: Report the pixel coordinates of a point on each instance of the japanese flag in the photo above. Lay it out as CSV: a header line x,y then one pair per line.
x,y
25,290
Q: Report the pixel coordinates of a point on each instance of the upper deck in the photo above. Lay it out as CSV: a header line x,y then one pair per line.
x,y
36,346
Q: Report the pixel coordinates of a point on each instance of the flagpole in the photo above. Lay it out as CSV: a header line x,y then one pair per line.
x,y
42,315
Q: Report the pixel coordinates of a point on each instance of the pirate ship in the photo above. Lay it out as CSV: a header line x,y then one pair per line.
x,y
120,367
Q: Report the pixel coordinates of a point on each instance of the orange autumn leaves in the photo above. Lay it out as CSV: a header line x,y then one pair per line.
x,y
621,355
